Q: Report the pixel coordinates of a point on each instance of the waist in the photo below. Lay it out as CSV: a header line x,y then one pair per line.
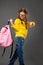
x,y
21,35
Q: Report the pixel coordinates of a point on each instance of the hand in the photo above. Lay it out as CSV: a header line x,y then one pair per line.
x,y
11,21
32,24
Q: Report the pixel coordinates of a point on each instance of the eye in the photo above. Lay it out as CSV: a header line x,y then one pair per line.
x,y
22,14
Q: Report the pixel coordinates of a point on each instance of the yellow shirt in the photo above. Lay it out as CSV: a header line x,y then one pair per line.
x,y
19,28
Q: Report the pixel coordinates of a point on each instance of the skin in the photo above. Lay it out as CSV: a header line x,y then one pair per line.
x,y
23,15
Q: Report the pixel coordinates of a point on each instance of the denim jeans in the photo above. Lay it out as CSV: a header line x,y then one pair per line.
x,y
18,51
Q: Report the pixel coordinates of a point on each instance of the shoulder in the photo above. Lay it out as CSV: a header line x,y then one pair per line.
x,y
17,20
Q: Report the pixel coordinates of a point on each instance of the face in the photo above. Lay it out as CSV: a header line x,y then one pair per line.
x,y
22,15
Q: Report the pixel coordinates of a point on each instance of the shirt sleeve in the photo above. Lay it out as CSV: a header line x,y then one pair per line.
x,y
16,25
28,24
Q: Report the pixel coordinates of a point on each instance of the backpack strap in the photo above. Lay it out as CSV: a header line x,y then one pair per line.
x,y
3,51
10,52
11,49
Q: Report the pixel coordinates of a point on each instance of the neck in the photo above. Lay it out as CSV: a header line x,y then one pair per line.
x,y
25,20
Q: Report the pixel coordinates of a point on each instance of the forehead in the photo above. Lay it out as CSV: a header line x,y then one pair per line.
x,y
22,13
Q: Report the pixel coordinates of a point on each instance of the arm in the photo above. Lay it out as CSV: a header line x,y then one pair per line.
x,y
31,24
16,25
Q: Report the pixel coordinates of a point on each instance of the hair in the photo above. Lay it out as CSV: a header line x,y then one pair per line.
x,y
22,10
26,12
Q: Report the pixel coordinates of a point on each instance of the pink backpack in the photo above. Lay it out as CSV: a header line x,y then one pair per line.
x,y
5,38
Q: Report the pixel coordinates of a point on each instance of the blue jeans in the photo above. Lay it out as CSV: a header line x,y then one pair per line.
x,y
18,51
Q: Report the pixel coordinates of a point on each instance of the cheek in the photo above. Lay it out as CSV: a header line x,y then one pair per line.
x,y
21,16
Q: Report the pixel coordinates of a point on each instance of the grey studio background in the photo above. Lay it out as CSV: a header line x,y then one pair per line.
x,y
33,46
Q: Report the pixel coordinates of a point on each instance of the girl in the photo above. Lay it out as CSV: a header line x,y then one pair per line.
x,y
20,27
